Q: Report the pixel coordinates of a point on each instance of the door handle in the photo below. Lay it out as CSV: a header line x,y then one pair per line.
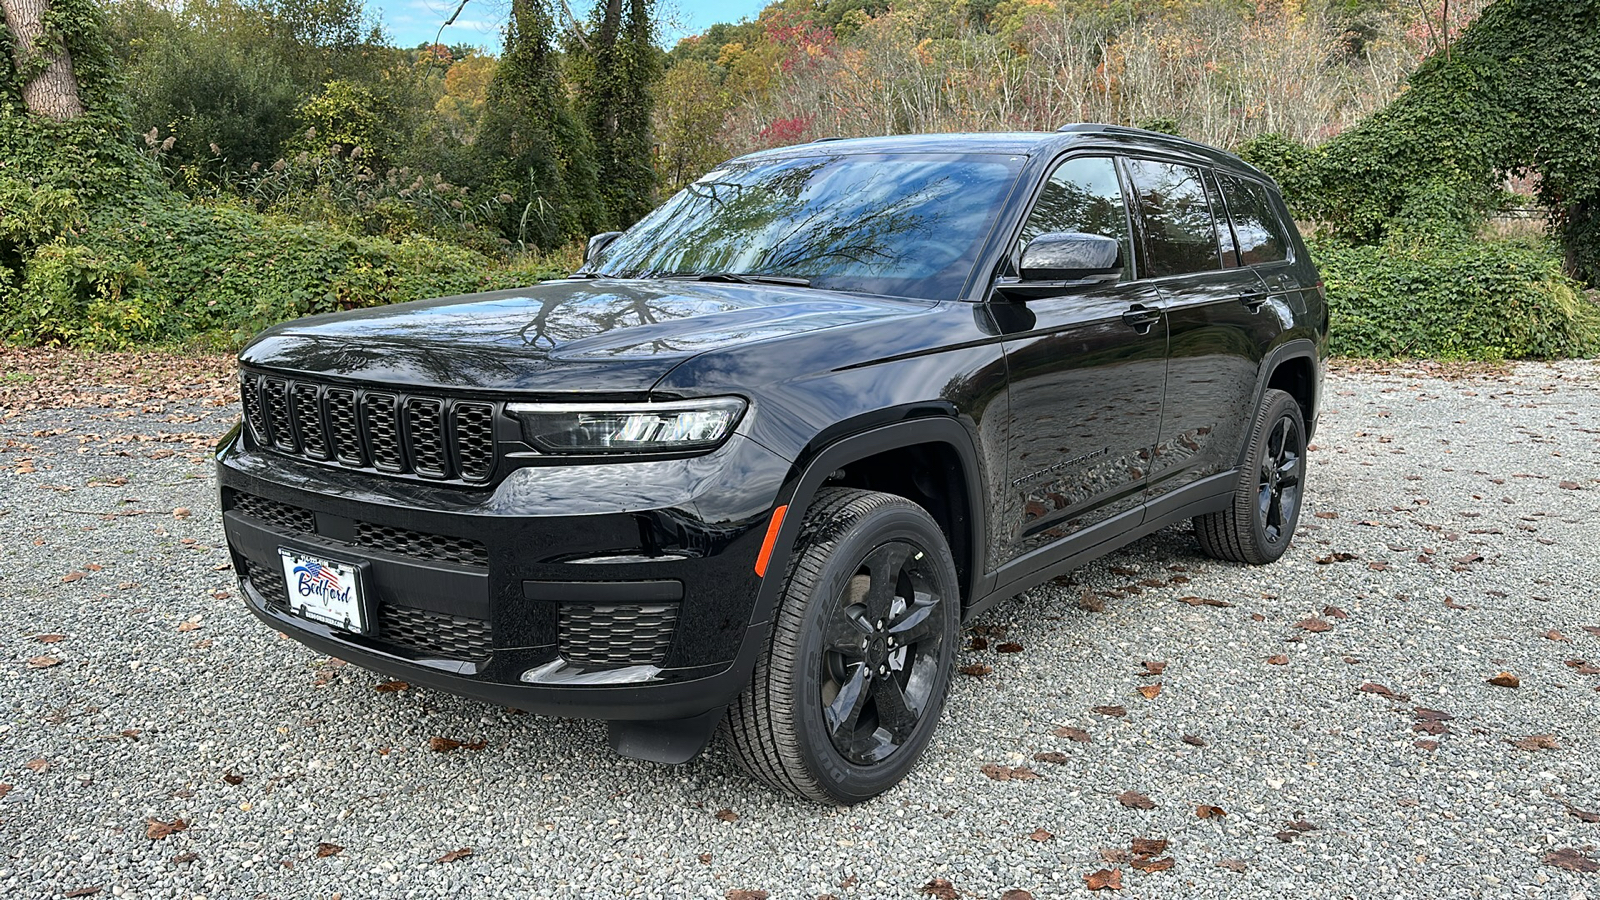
x,y
1254,300
1141,318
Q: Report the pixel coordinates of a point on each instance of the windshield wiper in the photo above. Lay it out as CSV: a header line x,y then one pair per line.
x,y
742,278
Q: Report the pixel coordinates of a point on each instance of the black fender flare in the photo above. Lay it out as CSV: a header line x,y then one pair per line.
x,y
935,429
1296,348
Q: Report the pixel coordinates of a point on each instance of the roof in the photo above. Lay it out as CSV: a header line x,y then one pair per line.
x,y
1013,142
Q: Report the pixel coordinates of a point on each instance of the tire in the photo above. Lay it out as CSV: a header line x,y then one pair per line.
x,y
795,727
1259,524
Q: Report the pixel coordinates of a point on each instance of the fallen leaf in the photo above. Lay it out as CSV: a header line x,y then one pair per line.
x,y
1153,865
1425,745
181,512
1104,879
1113,711
1135,800
49,638
182,858
157,830
1554,635
454,855
5,789
1073,734
42,662
233,778
1115,855
1278,660
976,670
83,892
979,643
1149,846
1450,603
1007,773
1040,835
1334,612
1535,742
1016,894
1592,629
1570,486
1055,757
1337,557
1151,691
1301,825
442,744
1286,836
941,889
38,765
71,577
743,894
1233,865
1209,812
1008,647
1435,715
1313,624
727,815
188,626
1204,601
325,849
1152,667
1326,515
389,687
1506,679
1372,687
1583,815
1194,740
1571,860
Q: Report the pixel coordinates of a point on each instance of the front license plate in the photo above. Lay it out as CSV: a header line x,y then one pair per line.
x,y
325,590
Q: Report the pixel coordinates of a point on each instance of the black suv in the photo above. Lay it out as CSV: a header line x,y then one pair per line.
x,y
756,462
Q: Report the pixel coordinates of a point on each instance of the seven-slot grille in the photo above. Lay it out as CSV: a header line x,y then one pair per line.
x,y
612,635
431,437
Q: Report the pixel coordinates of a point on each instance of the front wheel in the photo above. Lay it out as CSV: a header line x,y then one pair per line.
x,y
860,655
1257,526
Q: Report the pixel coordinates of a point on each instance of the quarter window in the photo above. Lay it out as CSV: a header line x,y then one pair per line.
x,y
1179,232
1083,196
1262,238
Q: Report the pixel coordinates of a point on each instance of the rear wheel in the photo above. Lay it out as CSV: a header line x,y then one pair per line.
x,y
860,654
1257,527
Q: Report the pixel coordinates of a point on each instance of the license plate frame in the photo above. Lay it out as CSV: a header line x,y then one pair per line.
x,y
331,592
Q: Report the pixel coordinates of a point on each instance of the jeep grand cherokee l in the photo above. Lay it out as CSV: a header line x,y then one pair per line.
x,y
753,465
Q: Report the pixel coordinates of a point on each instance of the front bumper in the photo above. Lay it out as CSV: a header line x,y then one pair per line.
x,y
619,591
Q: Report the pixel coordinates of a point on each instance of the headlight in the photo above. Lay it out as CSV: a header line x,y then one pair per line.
x,y
676,426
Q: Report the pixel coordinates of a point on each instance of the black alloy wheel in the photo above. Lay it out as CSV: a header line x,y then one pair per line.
x,y
1259,523
861,652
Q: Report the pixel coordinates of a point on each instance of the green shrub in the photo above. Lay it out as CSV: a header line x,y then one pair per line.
x,y
1455,299
167,271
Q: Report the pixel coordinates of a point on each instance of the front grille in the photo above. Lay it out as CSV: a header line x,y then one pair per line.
x,y
389,539
405,542
612,635
278,515
417,631
268,582
452,637
430,437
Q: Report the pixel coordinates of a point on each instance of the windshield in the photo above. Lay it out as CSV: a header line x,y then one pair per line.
x,y
908,225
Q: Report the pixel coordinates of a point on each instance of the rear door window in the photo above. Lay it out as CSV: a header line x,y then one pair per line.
x,y
1219,212
1262,237
1180,234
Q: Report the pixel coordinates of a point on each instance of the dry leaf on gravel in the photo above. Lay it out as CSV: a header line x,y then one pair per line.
x,y
1337,558
1205,811
1278,659
1372,687
1115,712
1334,612
1233,865
49,638
1554,635
727,815
442,744
1204,601
1073,734
42,662
976,670
1153,667
75,893
1572,860
455,855
1583,815
1104,879
743,894
1149,846
157,830
233,778
1016,894
1040,835
1506,679
979,642
389,687
37,765
1151,691
1135,800
1152,865
1534,742
941,889
1008,647
1055,757
325,849
71,577
1313,624
1194,740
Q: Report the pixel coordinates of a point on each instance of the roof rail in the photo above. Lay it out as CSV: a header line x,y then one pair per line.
x,y
832,137
1100,127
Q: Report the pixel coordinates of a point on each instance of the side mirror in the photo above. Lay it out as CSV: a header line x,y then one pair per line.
x,y
597,245
1070,256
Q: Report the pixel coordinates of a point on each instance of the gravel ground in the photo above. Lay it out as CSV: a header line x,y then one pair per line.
x,y
1465,503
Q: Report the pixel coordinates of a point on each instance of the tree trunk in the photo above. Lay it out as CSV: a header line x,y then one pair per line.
x,y
54,91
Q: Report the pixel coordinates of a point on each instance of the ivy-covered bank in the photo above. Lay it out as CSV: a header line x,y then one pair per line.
x,y
97,250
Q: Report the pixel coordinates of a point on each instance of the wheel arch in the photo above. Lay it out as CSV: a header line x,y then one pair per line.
x,y
1295,368
876,459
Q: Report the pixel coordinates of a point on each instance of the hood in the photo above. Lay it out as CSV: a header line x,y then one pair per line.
x,y
602,336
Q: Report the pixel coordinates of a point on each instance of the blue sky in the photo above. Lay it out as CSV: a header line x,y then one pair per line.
x,y
411,22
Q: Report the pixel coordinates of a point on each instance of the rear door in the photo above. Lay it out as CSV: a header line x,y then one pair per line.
x,y
1213,306
1086,371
